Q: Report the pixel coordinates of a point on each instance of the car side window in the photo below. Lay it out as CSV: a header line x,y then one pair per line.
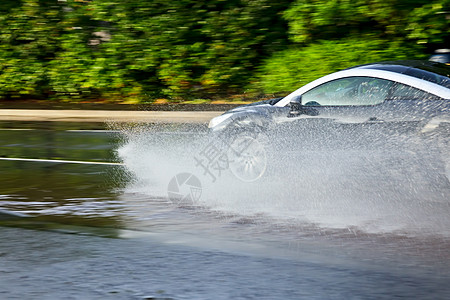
x,y
405,92
348,91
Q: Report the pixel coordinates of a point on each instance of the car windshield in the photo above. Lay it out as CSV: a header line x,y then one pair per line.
x,y
348,91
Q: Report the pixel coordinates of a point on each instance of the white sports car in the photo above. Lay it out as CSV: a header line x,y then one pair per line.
x,y
400,107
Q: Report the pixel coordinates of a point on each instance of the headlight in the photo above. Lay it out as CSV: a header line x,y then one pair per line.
x,y
217,120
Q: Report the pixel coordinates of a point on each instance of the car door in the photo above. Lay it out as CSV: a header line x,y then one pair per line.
x,y
357,132
358,113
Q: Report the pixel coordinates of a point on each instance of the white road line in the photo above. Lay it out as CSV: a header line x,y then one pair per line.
x,y
93,130
61,161
16,129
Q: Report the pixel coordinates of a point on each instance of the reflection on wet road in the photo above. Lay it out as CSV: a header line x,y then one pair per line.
x,y
52,191
159,249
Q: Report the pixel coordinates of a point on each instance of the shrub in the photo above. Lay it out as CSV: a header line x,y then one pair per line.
x,y
289,69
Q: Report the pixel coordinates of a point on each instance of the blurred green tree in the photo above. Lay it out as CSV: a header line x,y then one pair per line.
x,y
429,24
191,48
28,40
140,50
419,20
296,66
332,35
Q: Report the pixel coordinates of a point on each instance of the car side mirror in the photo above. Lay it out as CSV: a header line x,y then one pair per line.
x,y
296,107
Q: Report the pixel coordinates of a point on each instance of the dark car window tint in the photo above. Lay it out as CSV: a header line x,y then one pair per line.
x,y
430,71
406,92
429,76
348,91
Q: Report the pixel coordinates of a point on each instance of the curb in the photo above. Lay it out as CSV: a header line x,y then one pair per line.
x,y
107,116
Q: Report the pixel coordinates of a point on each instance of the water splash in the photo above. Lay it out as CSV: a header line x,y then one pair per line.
x,y
377,192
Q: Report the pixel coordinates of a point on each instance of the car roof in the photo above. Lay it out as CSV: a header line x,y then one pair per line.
x,y
410,72
421,69
401,66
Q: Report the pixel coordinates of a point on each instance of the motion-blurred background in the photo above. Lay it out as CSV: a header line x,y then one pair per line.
x,y
136,51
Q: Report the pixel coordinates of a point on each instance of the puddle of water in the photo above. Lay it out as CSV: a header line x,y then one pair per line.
x,y
160,236
59,192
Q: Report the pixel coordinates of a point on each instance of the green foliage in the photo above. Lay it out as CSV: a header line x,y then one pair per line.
x,y
311,20
134,49
430,23
190,47
138,50
294,67
27,41
336,34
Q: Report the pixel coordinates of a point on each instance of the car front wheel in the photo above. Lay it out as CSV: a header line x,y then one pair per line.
x,y
248,157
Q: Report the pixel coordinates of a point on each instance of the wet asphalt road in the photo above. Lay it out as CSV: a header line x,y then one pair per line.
x,y
82,241
51,265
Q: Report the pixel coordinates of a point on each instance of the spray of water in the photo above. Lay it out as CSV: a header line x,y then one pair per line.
x,y
377,192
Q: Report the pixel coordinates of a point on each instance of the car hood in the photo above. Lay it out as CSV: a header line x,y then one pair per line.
x,y
260,108
270,102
